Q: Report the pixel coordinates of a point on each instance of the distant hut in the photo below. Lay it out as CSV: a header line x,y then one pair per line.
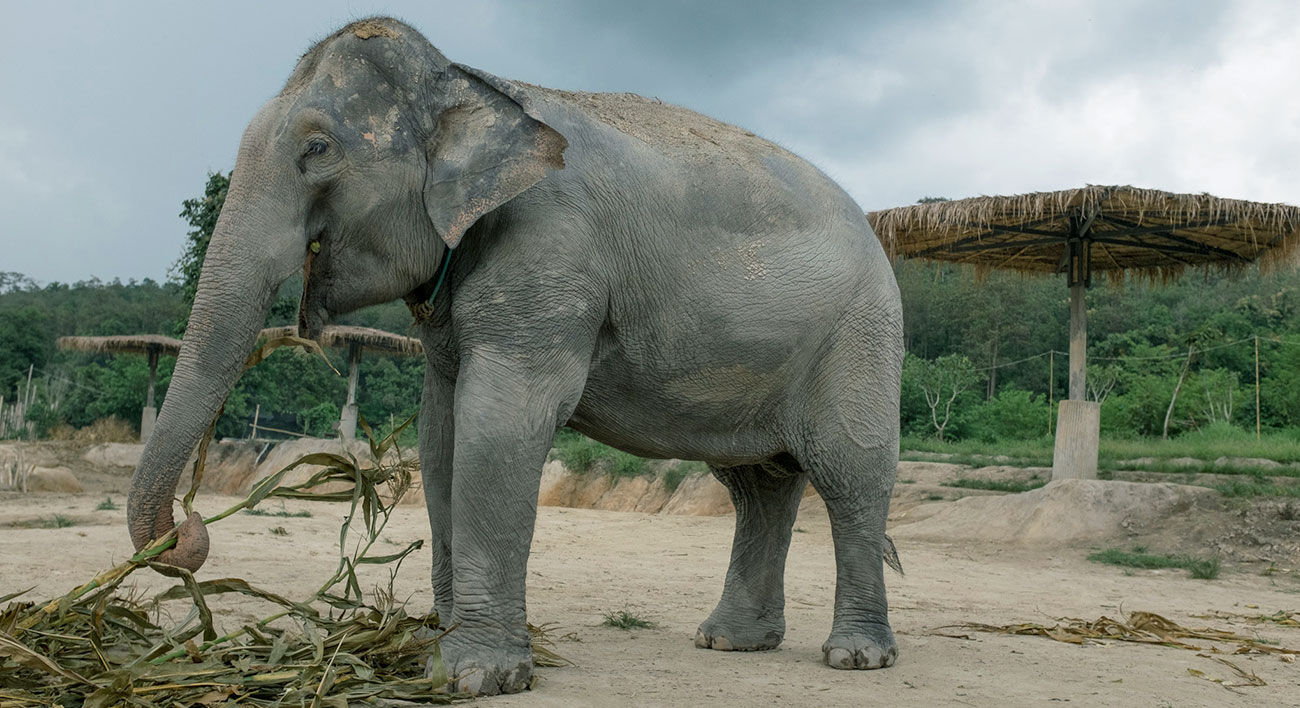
x,y
1078,232
151,345
355,339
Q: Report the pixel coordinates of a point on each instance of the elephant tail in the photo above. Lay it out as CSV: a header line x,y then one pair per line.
x,y
891,556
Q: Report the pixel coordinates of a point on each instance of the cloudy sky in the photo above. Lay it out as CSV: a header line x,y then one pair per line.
x,y
112,113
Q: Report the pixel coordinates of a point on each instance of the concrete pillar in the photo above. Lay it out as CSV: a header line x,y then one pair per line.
x,y
1078,434
147,418
348,421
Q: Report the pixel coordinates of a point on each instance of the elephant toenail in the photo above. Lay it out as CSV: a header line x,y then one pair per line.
x,y
839,658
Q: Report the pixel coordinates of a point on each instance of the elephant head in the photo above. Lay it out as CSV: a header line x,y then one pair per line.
x,y
376,156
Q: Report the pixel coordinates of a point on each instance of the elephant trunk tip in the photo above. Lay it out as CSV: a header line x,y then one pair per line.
x,y
192,541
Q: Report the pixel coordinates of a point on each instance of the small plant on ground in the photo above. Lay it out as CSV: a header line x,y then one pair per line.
x,y
623,619
934,497
107,505
279,531
1203,568
1138,557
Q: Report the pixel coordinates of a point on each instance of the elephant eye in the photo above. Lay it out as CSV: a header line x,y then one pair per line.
x,y
316,147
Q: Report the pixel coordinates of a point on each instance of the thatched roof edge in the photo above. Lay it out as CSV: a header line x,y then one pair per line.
x,y
1268,232
122,344
342,335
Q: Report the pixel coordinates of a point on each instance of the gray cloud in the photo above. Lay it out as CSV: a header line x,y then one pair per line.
x,y
112,115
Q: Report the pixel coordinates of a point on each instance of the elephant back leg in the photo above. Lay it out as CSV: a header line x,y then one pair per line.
x,y
751,614
850,452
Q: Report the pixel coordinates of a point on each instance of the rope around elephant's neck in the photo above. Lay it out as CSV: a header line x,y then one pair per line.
x,y
422,307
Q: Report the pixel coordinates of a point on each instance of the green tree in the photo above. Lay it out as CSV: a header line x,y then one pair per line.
x,y
941,381
201,214
23,343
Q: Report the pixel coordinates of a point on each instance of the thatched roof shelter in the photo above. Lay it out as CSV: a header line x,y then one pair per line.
x,y
355,339
124,344
341,336
151,345
1147,231
1078,232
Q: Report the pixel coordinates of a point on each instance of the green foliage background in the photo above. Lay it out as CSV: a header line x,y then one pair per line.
x,y
1002,325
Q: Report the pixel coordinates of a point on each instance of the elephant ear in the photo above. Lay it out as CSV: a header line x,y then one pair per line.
x,y
487,147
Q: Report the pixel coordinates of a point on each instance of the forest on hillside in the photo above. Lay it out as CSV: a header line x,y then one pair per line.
x,y
1164,358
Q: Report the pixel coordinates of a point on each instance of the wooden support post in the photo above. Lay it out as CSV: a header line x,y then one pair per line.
x,y
153,375
1051,384
1078,344
257,413
1078,427
1257,388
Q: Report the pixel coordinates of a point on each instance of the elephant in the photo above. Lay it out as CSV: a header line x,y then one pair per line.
x,y
657,280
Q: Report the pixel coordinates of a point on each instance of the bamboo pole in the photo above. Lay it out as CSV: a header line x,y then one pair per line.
x,y
1257,388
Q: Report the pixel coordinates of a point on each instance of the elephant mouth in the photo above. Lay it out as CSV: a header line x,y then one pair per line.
x,y
312,315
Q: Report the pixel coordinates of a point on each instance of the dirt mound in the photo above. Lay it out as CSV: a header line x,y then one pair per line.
x,y
234,466
114,454
53,479
1063,512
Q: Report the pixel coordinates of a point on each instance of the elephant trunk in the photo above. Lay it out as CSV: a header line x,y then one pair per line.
x,y
241,272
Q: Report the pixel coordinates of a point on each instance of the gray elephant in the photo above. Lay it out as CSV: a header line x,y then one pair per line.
x,y
662,282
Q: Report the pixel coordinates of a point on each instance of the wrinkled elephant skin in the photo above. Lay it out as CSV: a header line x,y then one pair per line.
x,y
662,282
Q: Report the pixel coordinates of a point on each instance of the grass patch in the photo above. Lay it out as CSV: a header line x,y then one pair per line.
x,y
1208,444
107,505
1138,557
998,485
934,497
578,452
581,454
280,513
625,620
279,531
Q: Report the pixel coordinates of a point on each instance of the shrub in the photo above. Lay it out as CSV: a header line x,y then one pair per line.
x,y
319,420
1013,414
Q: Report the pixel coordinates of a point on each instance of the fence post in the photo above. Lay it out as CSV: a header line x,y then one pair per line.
x,y
1257,388
27,394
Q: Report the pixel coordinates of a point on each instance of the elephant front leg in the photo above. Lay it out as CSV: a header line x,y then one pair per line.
x,y
505,424
436,444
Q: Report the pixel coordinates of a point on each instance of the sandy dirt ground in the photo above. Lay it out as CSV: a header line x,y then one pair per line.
x,y
669,570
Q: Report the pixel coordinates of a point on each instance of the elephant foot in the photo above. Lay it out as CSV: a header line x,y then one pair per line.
x,y
485,670
754,635
873,649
